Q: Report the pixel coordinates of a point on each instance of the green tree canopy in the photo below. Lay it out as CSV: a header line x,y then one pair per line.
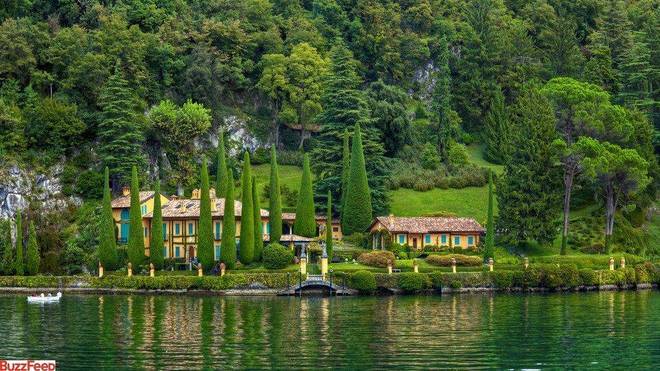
x,y
107,251
275,209
135,234
305,223
156,246
357,213
228,247
205,232
246,247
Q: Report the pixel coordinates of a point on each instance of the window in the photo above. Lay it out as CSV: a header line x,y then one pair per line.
x,y
177,229
268,227
217,252
143,209
402,239
176,252
217,230
335,229
427,238
146,232
190,229
443,239
470,240
457,240
164,232
125,214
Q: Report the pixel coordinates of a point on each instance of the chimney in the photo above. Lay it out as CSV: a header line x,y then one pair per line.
x,y
125,191
214,206
390,219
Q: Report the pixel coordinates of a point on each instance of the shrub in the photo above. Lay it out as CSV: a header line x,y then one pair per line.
x,y
349,254
276,256
461,260
645,273
358,239
456,284
385,280
570,276
363,281
411,282
502,279
397,249
376,258
588,277
531,277
430,158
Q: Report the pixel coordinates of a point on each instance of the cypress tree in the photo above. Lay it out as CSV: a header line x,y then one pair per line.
x,y
489,251
205,233
228,248
156,254
33,258
19,267
246,251
8,250
135,233
345,169
258,229
305,223
221,170
498,131
275,210
358,213
107,251
328,227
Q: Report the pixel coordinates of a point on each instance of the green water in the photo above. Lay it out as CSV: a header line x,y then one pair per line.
x,y
577,330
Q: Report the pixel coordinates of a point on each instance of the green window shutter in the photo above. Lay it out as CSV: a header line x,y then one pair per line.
x,y
427,238
444,239
457,240
470,240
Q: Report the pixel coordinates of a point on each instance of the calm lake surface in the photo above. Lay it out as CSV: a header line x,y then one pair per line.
x,y
538,331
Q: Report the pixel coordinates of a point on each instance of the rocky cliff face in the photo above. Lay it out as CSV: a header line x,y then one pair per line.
x,y
21,186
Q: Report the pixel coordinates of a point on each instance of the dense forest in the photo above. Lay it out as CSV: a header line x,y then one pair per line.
x,y
562,93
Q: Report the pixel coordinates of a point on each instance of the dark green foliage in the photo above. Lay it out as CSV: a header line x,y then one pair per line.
x,y
221,168
529,194
135,233
33,256
498,136
205,232
376,258
461,260
305,223
228,247
363,281
328,227
446,121
156,253
6,248
19,265
258,227
388,110
107,250
119,133
275,209
411,282
489,248
277,256
357,211
345,168
246,248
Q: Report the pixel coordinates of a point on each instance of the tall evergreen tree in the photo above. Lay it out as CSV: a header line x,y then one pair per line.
x,y
221,170
135,233
33,258
345,169
119,133
445,118
228,247
107,251
275,210
258,228
19,265
328,227
246,249
344,105
156,253
7,263
357,211
529,194
305,223
498,131
489,250
205,233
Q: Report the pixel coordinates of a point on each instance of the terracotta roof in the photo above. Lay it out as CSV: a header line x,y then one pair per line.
x,y
288,216
189,208
292,217
125,201
294,238
428,224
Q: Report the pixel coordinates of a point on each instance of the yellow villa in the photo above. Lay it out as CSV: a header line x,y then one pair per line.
x,y
121,212
418,232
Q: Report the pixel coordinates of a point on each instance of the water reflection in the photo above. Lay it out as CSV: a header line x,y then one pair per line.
x,y
607,329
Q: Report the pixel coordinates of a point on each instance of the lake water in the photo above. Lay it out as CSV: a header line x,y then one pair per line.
x,y
538,331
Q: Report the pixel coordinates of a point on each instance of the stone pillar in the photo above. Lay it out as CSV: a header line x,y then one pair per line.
x,y
415,266
389,266
303,263
611,263
526,262
152,270
623,262
453,265
200,271
490,264
324,263
130,269
222,269
100,270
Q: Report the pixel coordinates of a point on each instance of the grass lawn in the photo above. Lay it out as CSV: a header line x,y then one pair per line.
x,y
466,202
476,152
290,176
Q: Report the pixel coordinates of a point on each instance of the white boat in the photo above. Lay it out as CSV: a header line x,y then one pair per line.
x,y
45,298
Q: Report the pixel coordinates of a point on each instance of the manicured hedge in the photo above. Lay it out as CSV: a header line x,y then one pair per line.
x,y
363,281
376,258
461,260
411,282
